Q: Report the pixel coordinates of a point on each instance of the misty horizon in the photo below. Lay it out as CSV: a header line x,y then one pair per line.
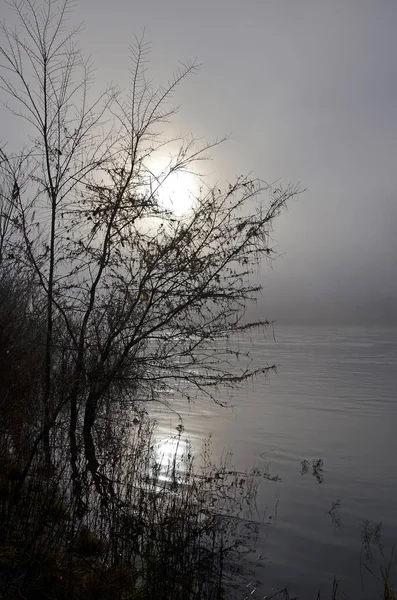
x,y
307,92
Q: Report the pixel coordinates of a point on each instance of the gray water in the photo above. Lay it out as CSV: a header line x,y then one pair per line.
x,y
334,398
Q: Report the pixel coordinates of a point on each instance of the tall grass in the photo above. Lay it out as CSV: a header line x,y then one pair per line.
x,y
158,533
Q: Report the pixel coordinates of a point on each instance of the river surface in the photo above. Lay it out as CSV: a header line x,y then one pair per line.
x,y
334,398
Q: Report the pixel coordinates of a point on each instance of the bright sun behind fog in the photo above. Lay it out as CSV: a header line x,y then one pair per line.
x,y
177,192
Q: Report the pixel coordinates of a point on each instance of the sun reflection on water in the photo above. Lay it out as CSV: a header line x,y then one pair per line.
x,y
172,458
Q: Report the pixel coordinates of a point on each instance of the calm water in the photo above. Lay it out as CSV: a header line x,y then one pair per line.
x,y
335,398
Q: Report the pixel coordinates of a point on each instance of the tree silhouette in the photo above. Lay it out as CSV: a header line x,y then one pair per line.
x,y
135,299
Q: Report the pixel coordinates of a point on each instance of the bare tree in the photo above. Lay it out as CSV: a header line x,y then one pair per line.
x,y
136,297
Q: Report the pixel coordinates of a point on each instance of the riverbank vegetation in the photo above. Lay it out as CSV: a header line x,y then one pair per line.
x,y
110,297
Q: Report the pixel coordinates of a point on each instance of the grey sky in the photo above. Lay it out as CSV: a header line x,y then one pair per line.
x,y
308,91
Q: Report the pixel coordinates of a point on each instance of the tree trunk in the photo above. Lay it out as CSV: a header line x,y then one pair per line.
x,y
89,445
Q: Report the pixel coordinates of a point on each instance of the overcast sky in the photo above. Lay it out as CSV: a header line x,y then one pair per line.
x,y
308,91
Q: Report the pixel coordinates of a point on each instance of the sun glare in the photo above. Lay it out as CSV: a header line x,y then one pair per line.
x,y
177,191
